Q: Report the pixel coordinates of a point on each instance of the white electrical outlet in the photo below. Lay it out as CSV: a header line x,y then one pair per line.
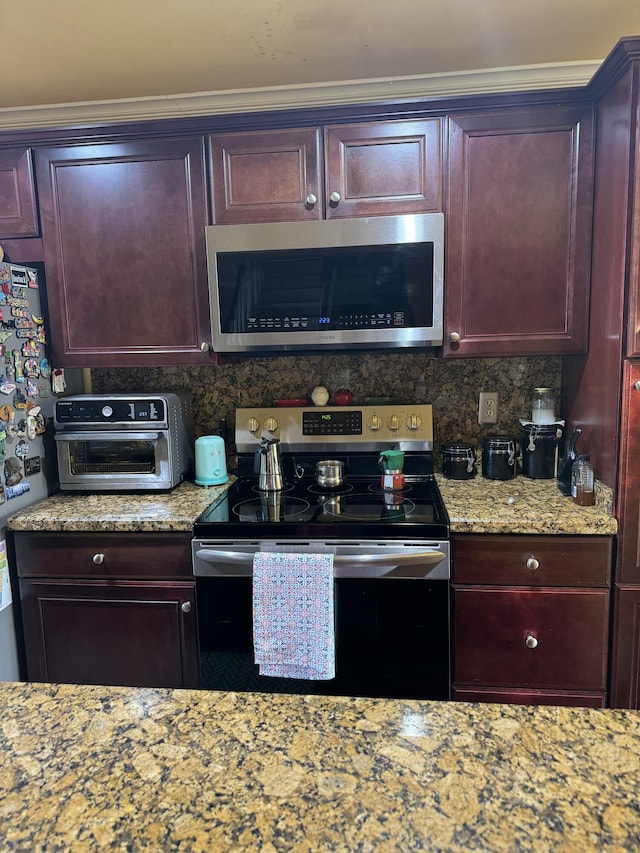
x,y
488,407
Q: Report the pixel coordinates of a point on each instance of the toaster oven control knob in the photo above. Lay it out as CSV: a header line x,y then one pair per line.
x,y
375,422
253,425
98,559
271,424
414,422
394,423
107,411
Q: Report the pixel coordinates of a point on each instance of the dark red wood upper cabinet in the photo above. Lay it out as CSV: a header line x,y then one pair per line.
x,y
123,227
367,169
18,207
628,569
519,206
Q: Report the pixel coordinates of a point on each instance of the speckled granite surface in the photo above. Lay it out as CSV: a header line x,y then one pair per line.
x,y
475,506
97,768
522,506
175,510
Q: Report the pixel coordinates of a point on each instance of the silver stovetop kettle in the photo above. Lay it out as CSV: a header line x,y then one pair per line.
x,y
268,465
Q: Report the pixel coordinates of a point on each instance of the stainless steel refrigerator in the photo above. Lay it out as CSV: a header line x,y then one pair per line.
x,y
27,459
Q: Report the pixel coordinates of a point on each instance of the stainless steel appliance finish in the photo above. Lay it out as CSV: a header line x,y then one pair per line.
x,y
268,465
371,282
123,442
391,550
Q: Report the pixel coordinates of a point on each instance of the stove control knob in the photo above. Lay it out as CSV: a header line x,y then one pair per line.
x,y
394,423
271,424
253,425
414,422
375,422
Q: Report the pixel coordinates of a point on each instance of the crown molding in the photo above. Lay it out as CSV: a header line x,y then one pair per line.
x,y
418,87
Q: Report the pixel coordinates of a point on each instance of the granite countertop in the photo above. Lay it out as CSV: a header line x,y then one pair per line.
x,y
474,506
124,511
107,768
522,505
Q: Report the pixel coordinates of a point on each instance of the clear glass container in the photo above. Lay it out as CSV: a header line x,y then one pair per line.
x,y
543,406
582,491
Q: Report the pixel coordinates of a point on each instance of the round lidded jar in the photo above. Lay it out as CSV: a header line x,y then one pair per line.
x,y
543,406
459,461
498,457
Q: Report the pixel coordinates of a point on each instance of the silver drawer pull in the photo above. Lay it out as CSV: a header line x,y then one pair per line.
x,y
98,559
531,642
533,564
186,607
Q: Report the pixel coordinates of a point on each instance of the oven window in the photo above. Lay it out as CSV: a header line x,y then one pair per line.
x,y
99,456
392,639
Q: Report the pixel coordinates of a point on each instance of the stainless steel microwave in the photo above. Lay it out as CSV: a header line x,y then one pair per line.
x,y
327,284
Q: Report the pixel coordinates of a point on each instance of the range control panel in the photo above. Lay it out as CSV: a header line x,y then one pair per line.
x,y
346,428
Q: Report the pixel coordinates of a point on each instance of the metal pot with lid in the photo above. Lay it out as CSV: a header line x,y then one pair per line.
x,y
498,457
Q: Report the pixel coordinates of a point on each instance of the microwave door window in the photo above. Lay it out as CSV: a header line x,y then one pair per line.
x,y
112,457
319,289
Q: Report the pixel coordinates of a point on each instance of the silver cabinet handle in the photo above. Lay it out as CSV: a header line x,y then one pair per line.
x,y
531,642
205,347
311,199
454,337
335,197
98,559
186,607
533,564
636,385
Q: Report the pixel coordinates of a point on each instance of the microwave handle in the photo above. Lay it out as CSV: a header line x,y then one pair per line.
x,y
106,435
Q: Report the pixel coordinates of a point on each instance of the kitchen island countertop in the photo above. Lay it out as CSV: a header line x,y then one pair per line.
x,y
107,768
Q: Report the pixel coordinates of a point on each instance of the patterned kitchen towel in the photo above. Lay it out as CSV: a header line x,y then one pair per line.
x,y
293,615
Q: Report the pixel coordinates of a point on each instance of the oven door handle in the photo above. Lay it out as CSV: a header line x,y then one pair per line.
x,y
106,435
417,564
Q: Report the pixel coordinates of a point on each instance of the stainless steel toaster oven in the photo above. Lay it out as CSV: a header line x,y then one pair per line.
x,y
123,442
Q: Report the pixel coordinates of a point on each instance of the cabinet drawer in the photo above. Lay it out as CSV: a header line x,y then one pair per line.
x,y
568,630
532,560
103,555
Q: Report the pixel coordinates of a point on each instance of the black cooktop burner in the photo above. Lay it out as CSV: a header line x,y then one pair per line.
x,y
360,509
329,491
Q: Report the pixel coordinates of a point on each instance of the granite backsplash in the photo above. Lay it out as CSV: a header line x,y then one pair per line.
x,y
450,385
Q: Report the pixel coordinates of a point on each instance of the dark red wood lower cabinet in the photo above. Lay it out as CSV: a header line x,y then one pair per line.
x,y
625,675
530,640
139,634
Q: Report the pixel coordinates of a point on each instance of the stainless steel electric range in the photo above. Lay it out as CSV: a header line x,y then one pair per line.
x,y
390,547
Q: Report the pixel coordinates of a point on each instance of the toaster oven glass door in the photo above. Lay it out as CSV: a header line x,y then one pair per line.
x,y
107,460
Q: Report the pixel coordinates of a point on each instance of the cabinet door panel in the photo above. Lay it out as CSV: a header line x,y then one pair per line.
x,y
625,665
518,236
123,233
383,168
18,207
570,627
98,632
628,568
266,176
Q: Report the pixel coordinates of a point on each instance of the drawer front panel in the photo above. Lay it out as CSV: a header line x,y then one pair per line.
x,y
529,697
535,639
103,555
533,560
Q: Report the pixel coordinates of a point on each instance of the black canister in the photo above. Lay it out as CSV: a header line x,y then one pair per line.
x,y
540,450
498,457
459,461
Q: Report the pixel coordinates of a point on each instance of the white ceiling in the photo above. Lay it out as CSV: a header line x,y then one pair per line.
x,y
78,51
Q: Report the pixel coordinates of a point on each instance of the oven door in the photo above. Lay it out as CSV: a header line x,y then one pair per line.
x,y
392,618
108,460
